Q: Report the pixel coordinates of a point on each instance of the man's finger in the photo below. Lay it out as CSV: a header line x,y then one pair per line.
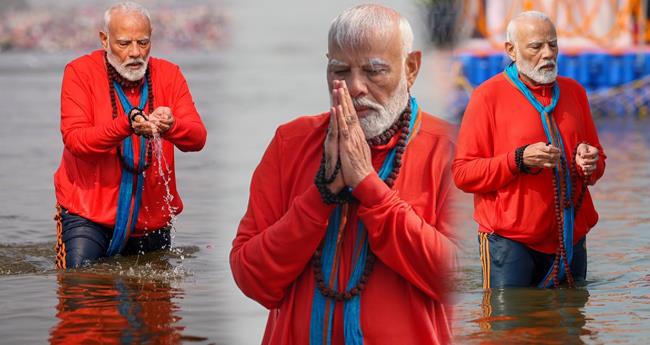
x,y
334,127
335,97
343,101
589,155
344,130
551,149
350,106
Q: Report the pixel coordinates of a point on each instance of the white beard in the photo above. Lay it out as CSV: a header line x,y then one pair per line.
x,y
125,72
381,117
535,73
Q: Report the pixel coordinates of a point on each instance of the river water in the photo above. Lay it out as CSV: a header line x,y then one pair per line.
x,y
272,70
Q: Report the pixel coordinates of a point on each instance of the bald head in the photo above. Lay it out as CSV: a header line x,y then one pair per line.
x,y
358,25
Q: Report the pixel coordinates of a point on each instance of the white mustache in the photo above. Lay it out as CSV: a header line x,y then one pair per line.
x,y
362,102
548,64
132,61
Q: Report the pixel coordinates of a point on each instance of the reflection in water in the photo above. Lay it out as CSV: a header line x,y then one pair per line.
x,y
110,309
533,315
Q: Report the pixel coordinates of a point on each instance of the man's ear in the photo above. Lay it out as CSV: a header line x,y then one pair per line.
x,y
510,50
103,38
413,62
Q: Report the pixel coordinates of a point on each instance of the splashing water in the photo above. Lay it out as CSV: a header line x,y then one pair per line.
x,y
164,171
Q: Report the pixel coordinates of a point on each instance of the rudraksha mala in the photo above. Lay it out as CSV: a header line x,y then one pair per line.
x,y
574,179
565,204
402,125
339,296
560,203
114,75
519,159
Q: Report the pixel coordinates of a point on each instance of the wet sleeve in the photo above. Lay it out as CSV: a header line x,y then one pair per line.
x,y
274,242
188,132
418,247
81,136
475,168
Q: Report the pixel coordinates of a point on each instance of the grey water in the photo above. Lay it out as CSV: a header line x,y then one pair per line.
x,y
272,69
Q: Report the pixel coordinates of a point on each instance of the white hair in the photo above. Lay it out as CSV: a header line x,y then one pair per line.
x,y
356,25
125,6
511,31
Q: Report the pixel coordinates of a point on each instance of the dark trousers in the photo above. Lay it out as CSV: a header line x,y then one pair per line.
x,y
85,241
507,263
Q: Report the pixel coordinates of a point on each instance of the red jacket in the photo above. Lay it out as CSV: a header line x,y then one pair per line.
x,y
408,229
518,206
87,181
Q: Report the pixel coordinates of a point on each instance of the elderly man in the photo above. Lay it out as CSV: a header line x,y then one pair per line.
x,y
528,149
361,252
115,192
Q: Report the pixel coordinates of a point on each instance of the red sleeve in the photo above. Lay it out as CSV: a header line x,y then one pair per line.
x,y
274,244
188,132
420,251
592,139
475,168
80,134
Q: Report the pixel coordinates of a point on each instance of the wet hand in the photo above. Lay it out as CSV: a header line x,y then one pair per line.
x,y
586,158
541,155
142,126
162,118
354,151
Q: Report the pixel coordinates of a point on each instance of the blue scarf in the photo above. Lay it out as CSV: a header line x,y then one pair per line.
x,y
127,209
556,140
352,307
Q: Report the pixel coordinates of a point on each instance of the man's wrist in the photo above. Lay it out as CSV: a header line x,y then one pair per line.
x,y
136,115
323,183
519,160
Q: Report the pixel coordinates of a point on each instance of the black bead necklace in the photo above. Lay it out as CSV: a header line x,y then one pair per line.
x,y
402,125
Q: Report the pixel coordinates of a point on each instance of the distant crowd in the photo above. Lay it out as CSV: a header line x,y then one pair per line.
x,y
194,26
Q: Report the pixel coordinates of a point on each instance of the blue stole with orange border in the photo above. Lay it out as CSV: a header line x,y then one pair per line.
x,y
128,206
554,137
322,310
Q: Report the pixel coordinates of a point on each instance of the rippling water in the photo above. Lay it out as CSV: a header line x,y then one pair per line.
x,y
266,76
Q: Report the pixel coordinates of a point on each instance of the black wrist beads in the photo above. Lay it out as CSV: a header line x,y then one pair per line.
x,y
322,181
519,160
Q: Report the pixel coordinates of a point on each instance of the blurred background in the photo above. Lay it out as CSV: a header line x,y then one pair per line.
x,y
252,66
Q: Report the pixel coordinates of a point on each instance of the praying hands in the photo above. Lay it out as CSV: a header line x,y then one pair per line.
x,y
346,141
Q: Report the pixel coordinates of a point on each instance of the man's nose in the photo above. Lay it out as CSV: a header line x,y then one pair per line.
x,y
548,52
134,50
357,85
